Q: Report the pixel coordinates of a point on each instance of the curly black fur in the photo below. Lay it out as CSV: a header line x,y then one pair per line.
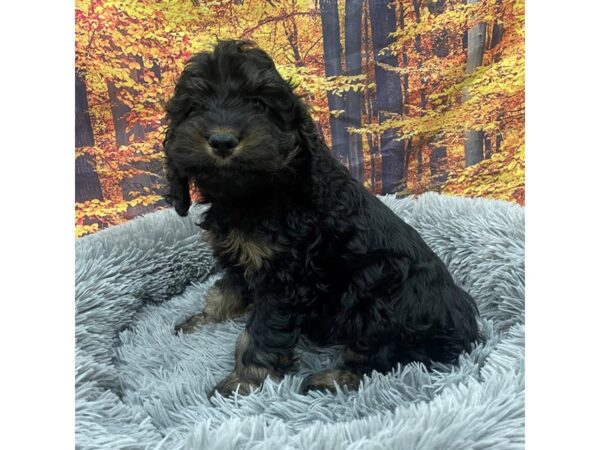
x,y
306,244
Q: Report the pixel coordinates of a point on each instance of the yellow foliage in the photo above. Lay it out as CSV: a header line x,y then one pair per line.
x,y
107,212
501,177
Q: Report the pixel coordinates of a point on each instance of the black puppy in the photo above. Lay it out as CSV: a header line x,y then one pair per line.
x,y
301,242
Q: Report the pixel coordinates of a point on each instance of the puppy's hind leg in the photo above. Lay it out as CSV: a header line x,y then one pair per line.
x,y
348,375
225,300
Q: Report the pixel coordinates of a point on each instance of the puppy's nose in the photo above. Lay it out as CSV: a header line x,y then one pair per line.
x,y
223,144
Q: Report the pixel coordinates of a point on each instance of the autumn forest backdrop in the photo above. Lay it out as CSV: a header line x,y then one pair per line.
x,y
412,95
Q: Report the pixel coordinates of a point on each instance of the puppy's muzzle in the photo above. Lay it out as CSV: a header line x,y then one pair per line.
x,y
222,144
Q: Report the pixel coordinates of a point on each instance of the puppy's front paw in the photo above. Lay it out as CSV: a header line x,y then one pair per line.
x,y
192,323
327,379
232,383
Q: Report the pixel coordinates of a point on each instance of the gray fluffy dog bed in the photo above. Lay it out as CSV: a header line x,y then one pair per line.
x,y
139,385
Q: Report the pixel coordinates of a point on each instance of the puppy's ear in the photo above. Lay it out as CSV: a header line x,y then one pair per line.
x,y
308,135
178,195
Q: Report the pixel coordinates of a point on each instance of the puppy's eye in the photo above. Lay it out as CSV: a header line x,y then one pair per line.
x,y
258,104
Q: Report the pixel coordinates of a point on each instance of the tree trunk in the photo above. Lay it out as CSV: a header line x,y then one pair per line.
x,y
422,91
417,8
125,136
475,46
497,32
389,94
437,165
498,142
369,100
439,47
439,41
404,59
353,103
119,112
487,145
87,182
137,133
473,147
332,53
156,167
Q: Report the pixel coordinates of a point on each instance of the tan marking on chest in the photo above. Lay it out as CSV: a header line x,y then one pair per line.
x,y
249,252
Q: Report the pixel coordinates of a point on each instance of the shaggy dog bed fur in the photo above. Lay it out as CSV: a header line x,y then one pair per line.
x,y
139,385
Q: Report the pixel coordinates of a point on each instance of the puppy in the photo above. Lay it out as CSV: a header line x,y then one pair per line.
x,y
300,241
